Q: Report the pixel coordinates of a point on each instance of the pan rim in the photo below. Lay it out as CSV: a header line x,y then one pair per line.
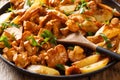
x,y
52,76
61,76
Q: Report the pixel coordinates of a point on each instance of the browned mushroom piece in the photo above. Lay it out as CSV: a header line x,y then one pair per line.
x,y
72,70
57,55
76,54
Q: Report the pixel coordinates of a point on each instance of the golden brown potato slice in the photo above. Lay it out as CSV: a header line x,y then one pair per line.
x,y
110,32
103,15
40,69
87,61
89,26
96,66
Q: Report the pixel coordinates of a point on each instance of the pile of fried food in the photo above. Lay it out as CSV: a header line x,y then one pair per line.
x,y
29,30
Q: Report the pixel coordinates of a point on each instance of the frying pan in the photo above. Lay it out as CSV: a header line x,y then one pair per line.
x,y
112,3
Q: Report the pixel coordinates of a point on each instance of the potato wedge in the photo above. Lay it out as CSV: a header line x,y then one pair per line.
x,y
87,61
103,15
40,69
95,66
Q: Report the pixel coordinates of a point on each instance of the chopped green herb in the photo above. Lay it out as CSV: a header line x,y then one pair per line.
x,y
48,36
108,42
8,24
4,26
29,3
82,10
71,47
104,37
78,7
14,25
109,45
46,39
82,6
97,52
5,40
33,41
107,22
89,33
83,3
10,9
60,66
73,0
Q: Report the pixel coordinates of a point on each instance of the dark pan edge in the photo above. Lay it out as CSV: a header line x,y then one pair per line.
x,y
114,4
117,3
63,77
5,7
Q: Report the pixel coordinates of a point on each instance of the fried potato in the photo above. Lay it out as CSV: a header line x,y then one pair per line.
x,y
96,66
115,12
40,69
89,26
103,15
87,61
110,32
